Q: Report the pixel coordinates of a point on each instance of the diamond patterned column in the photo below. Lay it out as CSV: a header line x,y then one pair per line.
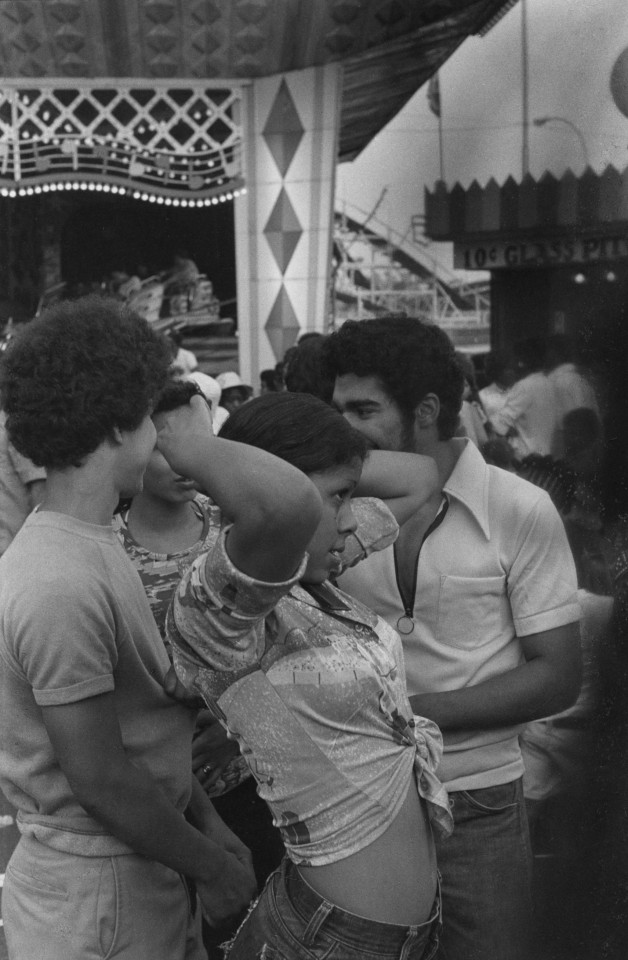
x,y
284,221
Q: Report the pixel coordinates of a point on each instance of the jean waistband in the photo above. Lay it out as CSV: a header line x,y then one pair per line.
x,y
319,914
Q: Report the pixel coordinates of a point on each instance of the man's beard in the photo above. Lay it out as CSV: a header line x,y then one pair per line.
x,y
407,438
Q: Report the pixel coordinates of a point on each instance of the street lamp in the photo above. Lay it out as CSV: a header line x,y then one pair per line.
x,y
541,121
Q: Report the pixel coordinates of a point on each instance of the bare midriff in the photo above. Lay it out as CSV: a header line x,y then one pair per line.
x,y
393,880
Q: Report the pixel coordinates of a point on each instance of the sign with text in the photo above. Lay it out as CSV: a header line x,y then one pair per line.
x,y
555,252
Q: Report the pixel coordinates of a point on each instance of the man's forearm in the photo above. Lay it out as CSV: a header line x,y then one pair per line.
x,y
527,692
133,809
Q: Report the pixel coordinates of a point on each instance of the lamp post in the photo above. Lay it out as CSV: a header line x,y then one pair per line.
x,y
541,121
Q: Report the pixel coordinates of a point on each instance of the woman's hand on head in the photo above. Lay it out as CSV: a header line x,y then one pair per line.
x,y
183,432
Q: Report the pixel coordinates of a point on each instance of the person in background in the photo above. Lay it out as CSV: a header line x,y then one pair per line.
x,y
302,369
269,381
167,524
310,682
183,361
234,392
603,870
529,417
131,285
573,390
501,376
583,454
482,587
473,420
116,280
21,487
94,753
599,912
165,527
279,375
183,273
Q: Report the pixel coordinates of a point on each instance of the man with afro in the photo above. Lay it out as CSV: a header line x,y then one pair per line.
x,y
94,753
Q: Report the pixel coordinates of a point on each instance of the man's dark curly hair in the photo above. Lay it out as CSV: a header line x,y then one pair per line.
x,y
74,374
409,357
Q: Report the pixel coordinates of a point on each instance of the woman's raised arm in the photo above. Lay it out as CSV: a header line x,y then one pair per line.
x,y
403,480
274,508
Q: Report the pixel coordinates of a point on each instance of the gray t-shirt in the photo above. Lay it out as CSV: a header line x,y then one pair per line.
x,y
75,623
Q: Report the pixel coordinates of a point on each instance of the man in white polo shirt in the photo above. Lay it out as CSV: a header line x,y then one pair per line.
x,y
482,588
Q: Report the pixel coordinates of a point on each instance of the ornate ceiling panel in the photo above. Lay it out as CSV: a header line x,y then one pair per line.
x,y
389,47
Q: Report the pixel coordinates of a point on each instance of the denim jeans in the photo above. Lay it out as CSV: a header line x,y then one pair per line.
x,y
290,921
486,870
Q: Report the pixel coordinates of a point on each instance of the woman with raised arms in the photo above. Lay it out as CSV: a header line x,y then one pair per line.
x,y
309,681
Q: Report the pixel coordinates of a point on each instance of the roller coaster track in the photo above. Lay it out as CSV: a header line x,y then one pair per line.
x,y
377,270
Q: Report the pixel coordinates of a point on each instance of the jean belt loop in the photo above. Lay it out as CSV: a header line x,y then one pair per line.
x,y
408,943
314,925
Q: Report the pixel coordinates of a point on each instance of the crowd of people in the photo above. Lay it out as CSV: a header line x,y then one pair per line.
x,y
291,676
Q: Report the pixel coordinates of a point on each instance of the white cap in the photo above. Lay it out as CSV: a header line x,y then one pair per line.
x,y
211,388
219,418
231,379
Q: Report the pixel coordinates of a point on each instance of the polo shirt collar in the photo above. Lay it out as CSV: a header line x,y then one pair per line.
x,y
468,483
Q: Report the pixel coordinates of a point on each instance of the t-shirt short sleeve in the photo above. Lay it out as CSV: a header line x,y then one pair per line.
x,y
64,642
218,612
542,582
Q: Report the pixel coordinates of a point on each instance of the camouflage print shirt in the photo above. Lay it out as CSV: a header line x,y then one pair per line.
x,y
161,572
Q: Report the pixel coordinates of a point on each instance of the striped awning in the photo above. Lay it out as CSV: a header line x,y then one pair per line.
x,y
543,207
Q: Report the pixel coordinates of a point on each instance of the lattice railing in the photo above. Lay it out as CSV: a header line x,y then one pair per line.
x,y
171,142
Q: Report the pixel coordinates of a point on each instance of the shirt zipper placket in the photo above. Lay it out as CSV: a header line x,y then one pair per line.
x,y
407,619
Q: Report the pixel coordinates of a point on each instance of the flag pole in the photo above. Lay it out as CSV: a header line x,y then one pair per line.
x,y
525,148
440,147
435,105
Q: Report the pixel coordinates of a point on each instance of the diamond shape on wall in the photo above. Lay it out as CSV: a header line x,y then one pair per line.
x,y
18,12
253,10
250,39
161,38
69,39
160,11
73,65
206,11
283,130
282,326
205,41
283,231
67,10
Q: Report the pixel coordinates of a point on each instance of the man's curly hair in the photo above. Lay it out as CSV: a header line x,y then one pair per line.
x,y
74,374
409,357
